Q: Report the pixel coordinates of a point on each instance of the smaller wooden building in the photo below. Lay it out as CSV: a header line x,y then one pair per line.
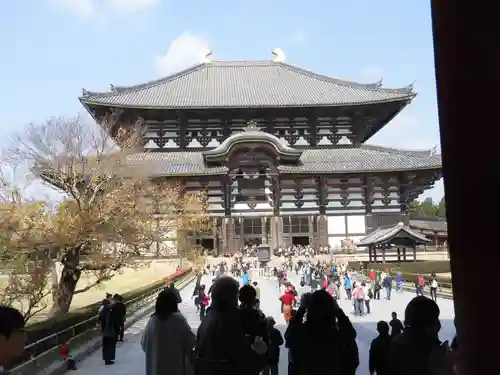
x,y
399,236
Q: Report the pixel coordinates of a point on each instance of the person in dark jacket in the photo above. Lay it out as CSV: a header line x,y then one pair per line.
x,y
12,336
297,318
110,327
121,311
325,342
378,361
396,325
275,341
172,287
418,350
252,320
221,345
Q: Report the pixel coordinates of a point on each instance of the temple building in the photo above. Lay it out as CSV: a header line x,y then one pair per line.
x,y
282,152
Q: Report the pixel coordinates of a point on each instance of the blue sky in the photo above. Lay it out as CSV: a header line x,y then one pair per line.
x,y
51,49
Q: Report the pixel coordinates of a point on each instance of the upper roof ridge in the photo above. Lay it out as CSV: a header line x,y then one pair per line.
x,y
373,86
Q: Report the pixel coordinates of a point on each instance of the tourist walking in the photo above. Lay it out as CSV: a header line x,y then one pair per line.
x,y
168,341
110,320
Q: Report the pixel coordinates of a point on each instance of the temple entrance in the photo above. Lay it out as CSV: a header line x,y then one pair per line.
x,y
300,240
206,243
251,241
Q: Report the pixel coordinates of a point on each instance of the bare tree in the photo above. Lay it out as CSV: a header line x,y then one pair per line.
x,y
113,210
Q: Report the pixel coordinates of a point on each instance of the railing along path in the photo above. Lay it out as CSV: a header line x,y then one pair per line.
x,y
38,357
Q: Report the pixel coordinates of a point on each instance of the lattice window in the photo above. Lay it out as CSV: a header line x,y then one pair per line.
x,y
296,224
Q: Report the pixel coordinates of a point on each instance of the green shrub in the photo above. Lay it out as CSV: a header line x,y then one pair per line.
x,y
47,327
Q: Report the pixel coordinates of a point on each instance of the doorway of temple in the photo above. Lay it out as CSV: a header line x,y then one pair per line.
x,y
251,241
300,240
206,243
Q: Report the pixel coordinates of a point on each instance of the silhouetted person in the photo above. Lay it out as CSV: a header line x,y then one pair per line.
x,y
396,325
171,286
379,350
221,345
297,318
110,321
418,349
325,337
121,311
12,336
252,320
167,340
273,354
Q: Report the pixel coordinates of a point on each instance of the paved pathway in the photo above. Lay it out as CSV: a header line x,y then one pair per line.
x,y
130,358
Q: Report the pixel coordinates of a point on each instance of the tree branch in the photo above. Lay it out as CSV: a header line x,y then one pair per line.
x,y
94,284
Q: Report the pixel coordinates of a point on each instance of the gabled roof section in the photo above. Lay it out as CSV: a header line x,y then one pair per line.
x,y
246,84
252,135
386,235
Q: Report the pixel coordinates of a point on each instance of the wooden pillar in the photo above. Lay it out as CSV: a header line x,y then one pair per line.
x,y
369,254
404,254
241,220
322,222
215,236
466,38
310,222
414,253
383,255
276,232
399,254
264,229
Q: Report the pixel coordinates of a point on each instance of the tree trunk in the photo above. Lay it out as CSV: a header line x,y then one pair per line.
x,y
66,286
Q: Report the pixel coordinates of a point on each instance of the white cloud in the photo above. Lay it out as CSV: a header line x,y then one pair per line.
x,y
185,51
83,8
371,74
131,6
97,8
299,36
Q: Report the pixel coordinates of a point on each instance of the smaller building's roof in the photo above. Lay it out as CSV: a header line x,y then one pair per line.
x,y
389,234
429,225
246,84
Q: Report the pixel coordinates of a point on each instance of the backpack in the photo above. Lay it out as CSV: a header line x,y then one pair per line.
x,y
370,294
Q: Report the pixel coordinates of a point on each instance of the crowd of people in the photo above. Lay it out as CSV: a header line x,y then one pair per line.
x,y
236,337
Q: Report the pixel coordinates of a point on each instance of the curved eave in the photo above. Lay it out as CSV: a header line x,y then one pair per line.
x,y
89,102
227,146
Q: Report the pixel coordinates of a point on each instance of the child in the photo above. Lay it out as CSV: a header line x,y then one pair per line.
x,y
203,299
275,341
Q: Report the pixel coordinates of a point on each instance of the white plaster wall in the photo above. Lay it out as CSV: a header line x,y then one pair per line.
x,y
356,224
336,224
334,242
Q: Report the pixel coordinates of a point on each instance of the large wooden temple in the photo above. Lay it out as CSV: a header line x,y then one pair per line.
x,y
281,151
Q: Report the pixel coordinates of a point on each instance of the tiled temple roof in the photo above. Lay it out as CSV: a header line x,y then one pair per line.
x,y
383,235
246,84
341,160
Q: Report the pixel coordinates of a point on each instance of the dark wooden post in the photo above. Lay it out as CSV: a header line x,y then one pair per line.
x,y
466,39
369,254
383,254
414,253
404,254
399,254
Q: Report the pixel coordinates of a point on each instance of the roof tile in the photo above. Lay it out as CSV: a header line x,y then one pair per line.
x,y
246,84
340,160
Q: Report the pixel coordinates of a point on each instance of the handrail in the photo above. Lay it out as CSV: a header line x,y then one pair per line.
x,y
39,359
